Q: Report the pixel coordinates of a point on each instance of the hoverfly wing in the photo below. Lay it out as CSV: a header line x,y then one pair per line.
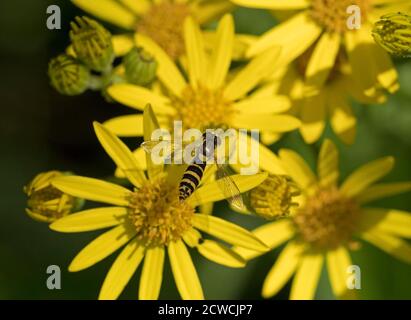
x,y
229,188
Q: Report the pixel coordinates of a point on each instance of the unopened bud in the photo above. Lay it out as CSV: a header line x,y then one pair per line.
x,y
274,197
46,203
68,76
92,43
140,66
393,33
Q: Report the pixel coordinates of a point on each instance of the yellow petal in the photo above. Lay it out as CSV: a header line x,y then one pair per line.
x,y
370,72
266,122
102,247
221,59
274,4
192,237
185,274
256,70
263,105
167,71
220,254
338,261
273,234
343,120
366,175
267,160
390,221
122,44
228,232
150,124
38,217
108,10
206,11
92,189
322,61
313,113
152,274
295,36
92,219
392,245
206,208
126,126
297,168
138,97
306,279
327,166
383,190
120,154
122,270
197,62
138,7
212,191
283,269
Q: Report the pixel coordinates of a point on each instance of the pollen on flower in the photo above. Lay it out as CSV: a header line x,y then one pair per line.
x,y
332,14
157,213
327,219
163,23
274,197
202,108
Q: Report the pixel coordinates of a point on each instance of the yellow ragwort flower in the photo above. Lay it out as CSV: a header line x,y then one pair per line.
x,y
329,220
160,20
45,203
209,98
314,106
326,25
149,221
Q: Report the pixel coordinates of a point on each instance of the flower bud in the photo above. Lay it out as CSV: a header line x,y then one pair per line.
x,y
274,197
68,76
92,43
393,33
46,203
140,67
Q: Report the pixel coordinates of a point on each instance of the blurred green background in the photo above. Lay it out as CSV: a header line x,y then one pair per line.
x,y
41,130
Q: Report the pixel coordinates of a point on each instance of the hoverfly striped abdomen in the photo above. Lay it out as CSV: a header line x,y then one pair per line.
x,y
191,179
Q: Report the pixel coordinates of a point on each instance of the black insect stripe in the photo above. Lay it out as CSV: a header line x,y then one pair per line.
x,y
184,185
195,169
191,177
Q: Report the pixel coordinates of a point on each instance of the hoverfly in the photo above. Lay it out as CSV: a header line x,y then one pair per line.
x,y
204,151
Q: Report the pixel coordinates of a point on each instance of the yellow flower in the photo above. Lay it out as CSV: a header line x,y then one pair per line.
x,y
209,98
150,220
46,203
324,23
160,20
328,221
313,106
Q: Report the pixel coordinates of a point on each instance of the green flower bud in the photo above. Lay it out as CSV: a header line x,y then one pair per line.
x,y
140,67
92,43
393,33
68,76
46,203
274,197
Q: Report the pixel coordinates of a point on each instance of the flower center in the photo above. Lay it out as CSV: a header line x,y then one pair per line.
x,y
157,214
273,198
163,23
327,219
332,14
202,108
